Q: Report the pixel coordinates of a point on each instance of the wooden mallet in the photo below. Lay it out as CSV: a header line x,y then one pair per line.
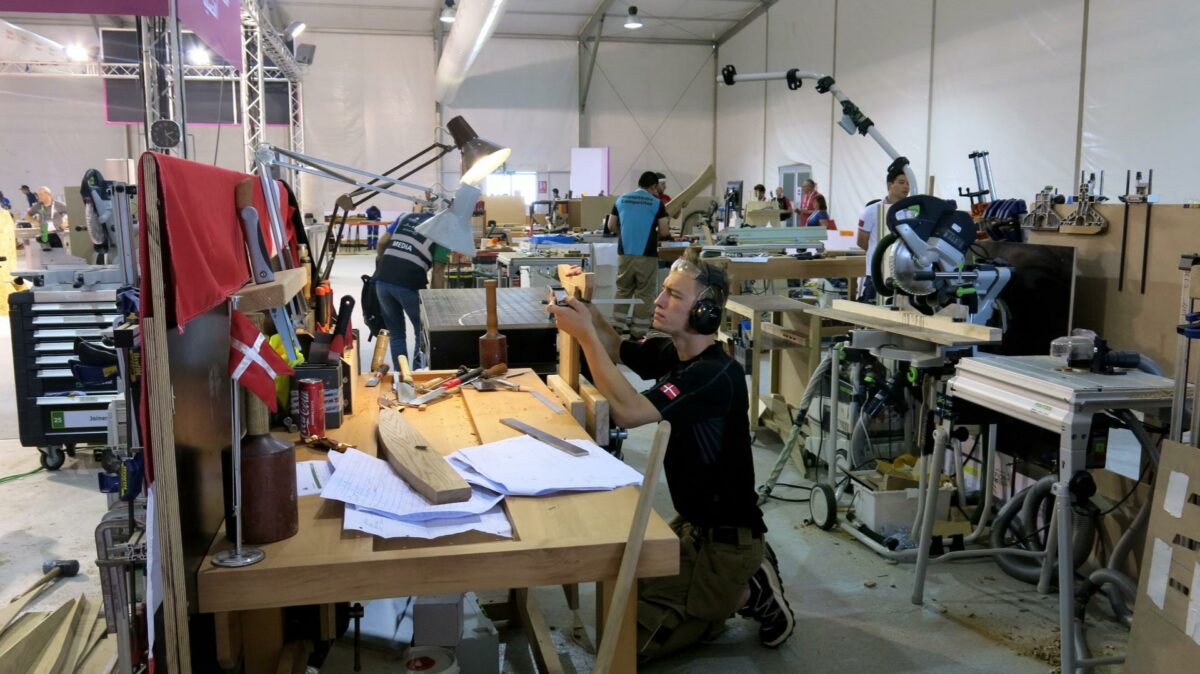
x,y
493,346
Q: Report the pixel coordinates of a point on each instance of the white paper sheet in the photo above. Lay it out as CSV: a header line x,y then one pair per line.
x,y
493,521
1124,455
1177,489
524,466
371,485
312,476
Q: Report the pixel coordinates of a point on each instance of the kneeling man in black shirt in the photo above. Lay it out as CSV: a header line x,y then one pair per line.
x,y
725,565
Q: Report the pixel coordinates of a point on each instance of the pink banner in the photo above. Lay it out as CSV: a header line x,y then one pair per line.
x,y
127,7
218,23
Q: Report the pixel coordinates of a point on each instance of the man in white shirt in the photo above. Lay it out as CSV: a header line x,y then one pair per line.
x,y
873,218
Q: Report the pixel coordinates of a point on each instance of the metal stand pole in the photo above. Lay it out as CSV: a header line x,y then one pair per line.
x,y
239,556
835,385
941,437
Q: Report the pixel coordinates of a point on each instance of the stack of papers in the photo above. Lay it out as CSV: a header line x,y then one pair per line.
x,y
379,502
524,466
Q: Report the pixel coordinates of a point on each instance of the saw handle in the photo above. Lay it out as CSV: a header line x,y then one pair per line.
x,y
248,215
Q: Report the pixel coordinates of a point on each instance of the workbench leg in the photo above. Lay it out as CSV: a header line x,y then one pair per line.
x,y
262,639
540,642
625,659
755,366
328,622
571,590
228,638
852,286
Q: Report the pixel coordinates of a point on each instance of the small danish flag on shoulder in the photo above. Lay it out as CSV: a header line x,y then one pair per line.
x,y
669,390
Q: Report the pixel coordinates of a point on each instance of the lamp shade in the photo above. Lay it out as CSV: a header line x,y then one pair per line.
x,y
479,157
451,227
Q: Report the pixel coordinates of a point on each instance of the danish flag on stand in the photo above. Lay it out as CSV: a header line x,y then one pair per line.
x,y
252,361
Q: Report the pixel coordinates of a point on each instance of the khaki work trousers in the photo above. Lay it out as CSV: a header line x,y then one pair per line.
x,y
637,278
681,610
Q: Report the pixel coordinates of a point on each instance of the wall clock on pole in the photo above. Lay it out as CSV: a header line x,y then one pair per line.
x,y
165,133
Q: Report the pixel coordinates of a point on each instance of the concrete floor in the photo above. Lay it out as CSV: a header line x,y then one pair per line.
x,y
975,618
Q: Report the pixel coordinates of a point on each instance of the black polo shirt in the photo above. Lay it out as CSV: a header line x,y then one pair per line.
x,y
710,470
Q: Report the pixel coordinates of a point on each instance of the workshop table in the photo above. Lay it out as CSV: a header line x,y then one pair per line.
x,y
801,356
454,319
768,335
849,267
562,539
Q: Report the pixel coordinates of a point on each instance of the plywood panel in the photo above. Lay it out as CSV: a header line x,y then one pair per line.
x,y
1127,318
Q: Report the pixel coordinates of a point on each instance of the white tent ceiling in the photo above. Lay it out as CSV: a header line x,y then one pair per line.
x,y
675,20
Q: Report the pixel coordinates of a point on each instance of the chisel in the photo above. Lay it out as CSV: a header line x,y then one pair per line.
x,y
260,267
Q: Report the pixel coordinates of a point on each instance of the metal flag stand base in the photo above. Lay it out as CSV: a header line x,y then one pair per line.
x,y
238,556
235,558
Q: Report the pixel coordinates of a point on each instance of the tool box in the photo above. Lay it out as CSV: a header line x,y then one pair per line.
x,y
55,414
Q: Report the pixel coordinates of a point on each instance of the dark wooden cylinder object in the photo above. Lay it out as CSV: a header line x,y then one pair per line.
x,y
493,346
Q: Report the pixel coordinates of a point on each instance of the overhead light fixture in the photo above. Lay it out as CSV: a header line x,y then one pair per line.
x,y
448,13
632,22
199,56
294,29
479,157
77,52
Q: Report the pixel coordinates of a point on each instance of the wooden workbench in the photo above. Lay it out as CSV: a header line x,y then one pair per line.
x,y
781,268
562,539
791,364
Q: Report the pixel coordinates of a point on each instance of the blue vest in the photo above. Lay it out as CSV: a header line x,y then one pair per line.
x,y
636,211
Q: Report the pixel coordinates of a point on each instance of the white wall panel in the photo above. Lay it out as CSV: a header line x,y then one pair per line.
x,y
652,106
524,94
883,56
1006,80
1142,93
368,103
51,131
798,125
54,129
741,119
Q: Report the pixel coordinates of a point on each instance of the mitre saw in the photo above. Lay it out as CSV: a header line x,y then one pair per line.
x,y
922,261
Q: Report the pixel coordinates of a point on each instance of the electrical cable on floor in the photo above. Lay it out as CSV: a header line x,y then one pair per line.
x,y
13,478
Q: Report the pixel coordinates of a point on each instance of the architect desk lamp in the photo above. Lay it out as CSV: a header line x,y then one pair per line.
x,y
479,159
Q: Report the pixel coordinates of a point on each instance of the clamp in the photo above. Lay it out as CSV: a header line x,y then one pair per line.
x,y
1191,329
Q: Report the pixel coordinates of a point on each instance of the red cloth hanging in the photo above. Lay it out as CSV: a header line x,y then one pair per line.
x,y
204,246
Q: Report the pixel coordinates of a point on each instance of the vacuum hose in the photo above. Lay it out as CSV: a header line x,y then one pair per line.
x,y
1026,504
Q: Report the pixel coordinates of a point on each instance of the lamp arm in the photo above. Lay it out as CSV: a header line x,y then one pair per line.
x,y
443,150
324,168
364,186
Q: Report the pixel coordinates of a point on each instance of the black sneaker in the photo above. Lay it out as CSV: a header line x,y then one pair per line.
x,y
767,604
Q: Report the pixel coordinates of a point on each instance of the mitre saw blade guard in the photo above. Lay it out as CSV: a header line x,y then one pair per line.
x,y
924,257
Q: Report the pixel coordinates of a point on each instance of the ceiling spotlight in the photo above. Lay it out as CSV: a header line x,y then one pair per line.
x,y
632,22
199,56
294,29
448,14
77,52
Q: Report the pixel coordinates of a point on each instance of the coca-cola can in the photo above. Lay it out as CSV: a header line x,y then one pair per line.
x,y
312,407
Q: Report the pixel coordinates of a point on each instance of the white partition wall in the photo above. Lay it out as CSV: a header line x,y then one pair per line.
x,y
524,94
1006,80
799,126
741,109
941,78
882,64
368,103
1142,94
652,105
